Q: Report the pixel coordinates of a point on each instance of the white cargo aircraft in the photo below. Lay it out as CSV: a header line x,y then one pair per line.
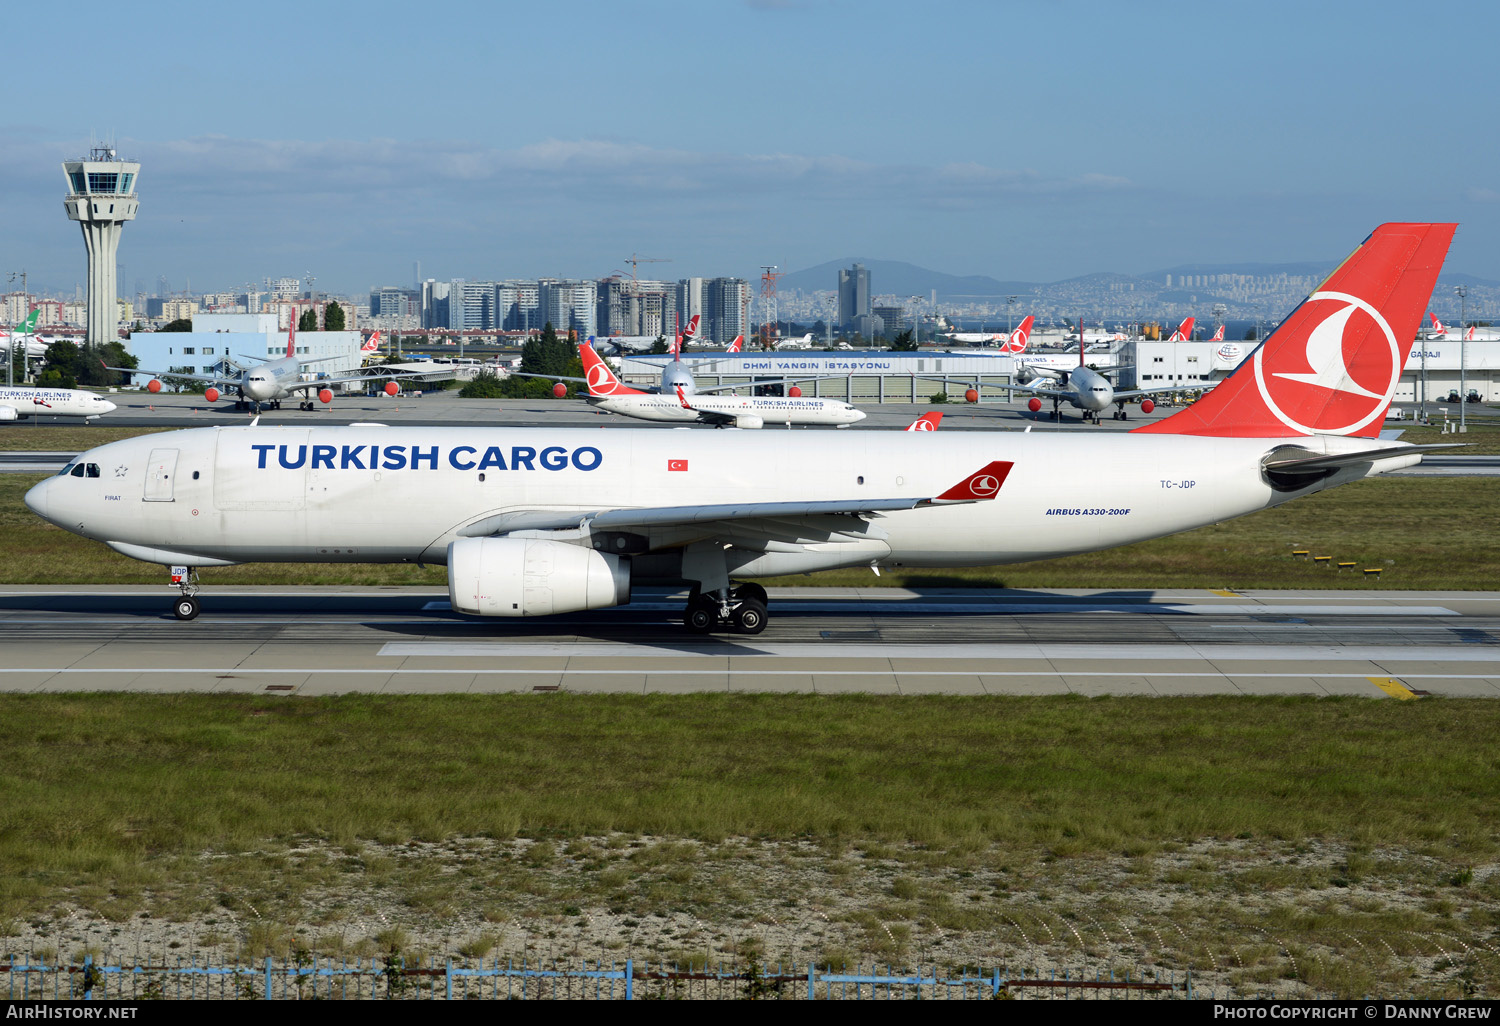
x,y
609,393
22,402
1010,342
273,380
532,521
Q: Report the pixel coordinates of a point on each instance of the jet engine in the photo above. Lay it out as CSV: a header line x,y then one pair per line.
x,y
748,420
325,396
391,388
153,386
8,413
1147,406
1033,404
211,394
531,577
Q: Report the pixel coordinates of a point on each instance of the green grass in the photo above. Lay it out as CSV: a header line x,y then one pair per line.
x,y
93,783
1424,532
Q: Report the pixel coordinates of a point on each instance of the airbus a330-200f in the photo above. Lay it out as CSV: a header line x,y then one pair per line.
x,y
533,521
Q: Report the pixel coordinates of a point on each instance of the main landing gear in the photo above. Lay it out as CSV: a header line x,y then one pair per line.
x,y
185,580
742,609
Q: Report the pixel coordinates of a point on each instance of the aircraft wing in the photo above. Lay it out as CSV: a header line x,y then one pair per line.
x,y
1051,393
298,386
730,519
1132,393
214,379
549,377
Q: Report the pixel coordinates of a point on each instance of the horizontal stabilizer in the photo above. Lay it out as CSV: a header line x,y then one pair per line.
x,y
1283,462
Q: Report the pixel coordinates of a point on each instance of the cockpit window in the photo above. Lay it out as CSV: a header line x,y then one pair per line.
x,y
65,471
93,470
77,470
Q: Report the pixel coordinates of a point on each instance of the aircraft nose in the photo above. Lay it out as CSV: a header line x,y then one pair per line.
x,y
36,498
856,415
108,406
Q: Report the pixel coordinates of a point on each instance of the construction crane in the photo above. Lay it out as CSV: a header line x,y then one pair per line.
x,y
635,258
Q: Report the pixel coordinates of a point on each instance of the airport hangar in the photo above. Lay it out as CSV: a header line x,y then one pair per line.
x,y
880,376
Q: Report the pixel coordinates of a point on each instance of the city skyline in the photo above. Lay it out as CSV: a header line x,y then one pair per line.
x,y
1037,144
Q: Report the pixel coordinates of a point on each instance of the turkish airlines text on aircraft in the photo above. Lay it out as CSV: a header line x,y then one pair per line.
x,y
21,403
271,381
536,521
610,394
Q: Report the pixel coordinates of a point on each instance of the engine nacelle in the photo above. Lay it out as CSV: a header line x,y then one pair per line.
x,y
1147,406
325,396
795,392
1034,404
391,388
8,413
211,394
971,395
749,420
532,577
153,386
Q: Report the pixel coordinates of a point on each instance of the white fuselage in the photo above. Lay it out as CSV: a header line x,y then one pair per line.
x,y
771,410
210,496
268,381
21,402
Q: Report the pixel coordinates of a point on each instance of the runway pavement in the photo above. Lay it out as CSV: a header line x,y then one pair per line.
x,y
319,641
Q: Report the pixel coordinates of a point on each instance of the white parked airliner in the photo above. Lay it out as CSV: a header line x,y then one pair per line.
x,y
609,393
532,521
23,401
270,381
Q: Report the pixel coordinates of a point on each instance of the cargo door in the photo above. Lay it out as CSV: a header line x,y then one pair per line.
x,y
159,474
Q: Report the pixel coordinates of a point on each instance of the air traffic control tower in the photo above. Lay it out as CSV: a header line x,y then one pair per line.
x,y
101,198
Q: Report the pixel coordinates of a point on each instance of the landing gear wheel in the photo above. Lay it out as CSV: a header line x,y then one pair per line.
x,y
752,591
749,617
186,608
255,408
702,615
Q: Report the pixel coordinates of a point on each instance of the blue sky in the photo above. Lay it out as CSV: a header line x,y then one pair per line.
x,y
1025,141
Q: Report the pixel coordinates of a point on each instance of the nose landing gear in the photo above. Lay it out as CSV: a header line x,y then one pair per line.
x,y
185,580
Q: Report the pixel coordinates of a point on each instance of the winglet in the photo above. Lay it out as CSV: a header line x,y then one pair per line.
x,y
979,486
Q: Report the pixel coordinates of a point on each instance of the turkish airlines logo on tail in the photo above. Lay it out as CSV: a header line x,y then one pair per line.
x,y
371,344
1184,332
1018,338
926,422
1341,378
738,345
597,373
1218,335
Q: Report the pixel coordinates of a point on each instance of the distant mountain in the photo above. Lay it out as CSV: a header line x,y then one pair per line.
x,y
1313,268
896,277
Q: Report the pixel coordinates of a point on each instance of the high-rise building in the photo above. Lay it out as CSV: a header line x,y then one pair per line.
x,y
692,300
568,305
854,294
516,305
725,302
101,198
434,304
391,301
892,320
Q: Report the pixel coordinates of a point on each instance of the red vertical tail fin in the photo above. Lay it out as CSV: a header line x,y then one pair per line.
x,y
291,336
1018,338
1333,365
601,380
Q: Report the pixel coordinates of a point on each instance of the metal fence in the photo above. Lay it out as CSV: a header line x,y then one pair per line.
x,y
314,978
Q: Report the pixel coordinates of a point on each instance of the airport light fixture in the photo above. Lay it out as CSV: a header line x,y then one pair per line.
x,y
916,319
1462,291
1010,315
